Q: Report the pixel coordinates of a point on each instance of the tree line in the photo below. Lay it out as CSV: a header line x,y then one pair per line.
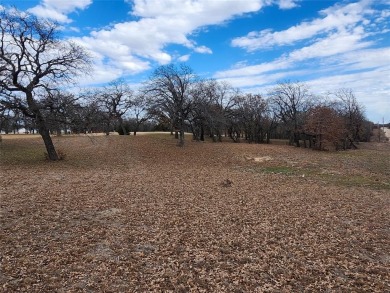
x,y
35,66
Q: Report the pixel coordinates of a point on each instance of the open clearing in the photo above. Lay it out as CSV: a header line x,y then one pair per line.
x,y
138,214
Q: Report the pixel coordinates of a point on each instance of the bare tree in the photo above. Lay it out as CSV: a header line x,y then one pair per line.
x,y
138,111
57,107
115,100
254,117
33,62
10,120
226,100
212,111
88,117
169,91
353,115
206,113
290,102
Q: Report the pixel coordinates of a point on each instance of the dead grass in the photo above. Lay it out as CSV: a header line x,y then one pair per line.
x,y
138,214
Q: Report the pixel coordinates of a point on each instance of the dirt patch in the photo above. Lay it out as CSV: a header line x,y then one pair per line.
x,y
138,214
387,132
259,159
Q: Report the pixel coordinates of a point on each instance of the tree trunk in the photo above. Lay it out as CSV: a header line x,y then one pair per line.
x,y
136,127
124,130
291,140
181,138
202,133
42,128
296,139
45,134
122,126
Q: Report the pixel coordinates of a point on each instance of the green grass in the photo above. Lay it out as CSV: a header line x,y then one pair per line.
x,y
356,168
375,182
346,180
285,170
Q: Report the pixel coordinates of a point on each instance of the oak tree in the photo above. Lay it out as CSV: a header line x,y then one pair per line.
x,y
326,128
290,102
34,61
353,115
115,101
169,91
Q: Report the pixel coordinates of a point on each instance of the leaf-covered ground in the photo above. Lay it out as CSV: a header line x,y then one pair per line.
x,y
138,214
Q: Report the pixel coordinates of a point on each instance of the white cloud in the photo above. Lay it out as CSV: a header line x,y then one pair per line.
x,y
248,71
338,52
133,45
364,59
371,88
336,55
361,82
114,54
203,50
74,29
335,18
333,44
385,14
58,9
260,80
101,73
49,13
330,46
198,12
68,5
184,58
325,48
287,4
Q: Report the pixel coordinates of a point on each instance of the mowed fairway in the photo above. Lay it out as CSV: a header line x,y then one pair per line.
x,y
138,214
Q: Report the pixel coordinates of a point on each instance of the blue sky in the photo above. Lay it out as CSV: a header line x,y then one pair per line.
x,y
252,44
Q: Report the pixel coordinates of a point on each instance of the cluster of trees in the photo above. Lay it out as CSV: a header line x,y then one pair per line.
x,y
288,111
35,65
102,110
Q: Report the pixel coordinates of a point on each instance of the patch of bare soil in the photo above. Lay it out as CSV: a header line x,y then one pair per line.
x,y
138,214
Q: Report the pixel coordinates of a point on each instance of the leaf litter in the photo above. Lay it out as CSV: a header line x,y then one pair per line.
x,y
138,214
